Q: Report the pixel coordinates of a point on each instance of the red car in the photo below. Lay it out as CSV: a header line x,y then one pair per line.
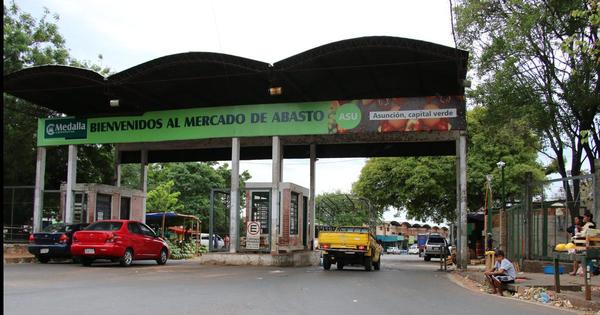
x,y
119,240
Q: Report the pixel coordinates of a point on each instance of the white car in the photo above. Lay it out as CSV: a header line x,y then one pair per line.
x,y
204,240
393,250
413,249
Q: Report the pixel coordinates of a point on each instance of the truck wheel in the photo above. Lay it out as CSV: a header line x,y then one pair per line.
x,y
340,265
368,263
427,258
326,262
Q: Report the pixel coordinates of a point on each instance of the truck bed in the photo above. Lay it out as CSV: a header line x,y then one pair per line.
x,y
343,240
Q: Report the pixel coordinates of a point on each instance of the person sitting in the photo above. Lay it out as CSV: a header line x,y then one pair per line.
x,y
576,227
502,273
588,220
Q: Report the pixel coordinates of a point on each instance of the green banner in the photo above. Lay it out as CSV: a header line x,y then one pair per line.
x,y
315,118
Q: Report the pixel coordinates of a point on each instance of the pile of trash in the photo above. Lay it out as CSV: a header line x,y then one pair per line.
x,y
543,296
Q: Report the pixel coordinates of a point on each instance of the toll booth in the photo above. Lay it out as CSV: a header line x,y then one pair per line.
x,y
293,225
95,202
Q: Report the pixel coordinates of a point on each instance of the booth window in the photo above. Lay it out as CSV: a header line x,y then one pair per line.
x,y
260,210
294,214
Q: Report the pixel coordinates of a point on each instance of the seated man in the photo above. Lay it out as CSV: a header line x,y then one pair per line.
x,y
502,273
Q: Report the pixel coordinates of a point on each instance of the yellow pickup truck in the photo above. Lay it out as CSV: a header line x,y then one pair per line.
x,y
350,245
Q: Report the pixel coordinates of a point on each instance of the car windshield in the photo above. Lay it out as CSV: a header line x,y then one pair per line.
x,y
105,226
435,240
57,227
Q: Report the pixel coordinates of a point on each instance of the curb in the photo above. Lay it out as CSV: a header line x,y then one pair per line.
x,y
20,260
453,278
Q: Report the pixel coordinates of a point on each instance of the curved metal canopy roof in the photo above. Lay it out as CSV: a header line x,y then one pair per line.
x,y
366,67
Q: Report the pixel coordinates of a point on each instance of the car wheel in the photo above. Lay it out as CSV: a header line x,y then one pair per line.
x,y
340,265
162,259
326,263
368,263
427,258
43,259
86,261
127,258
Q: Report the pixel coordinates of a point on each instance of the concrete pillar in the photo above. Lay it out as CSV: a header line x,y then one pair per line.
x,y
71,179
275,206
458,217
311,199
38,194
234,210
144,180
464,250
117,166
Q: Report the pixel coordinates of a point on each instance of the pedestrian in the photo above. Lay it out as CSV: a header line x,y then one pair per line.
x,y
215,242
576,227
588,223
226,240
502,273
560,218
490,242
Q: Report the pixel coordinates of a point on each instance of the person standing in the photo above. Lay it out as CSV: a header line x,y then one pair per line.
x,y
226,240
502,273
588,223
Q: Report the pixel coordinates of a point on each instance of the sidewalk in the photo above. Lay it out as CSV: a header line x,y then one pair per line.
x,y
571,286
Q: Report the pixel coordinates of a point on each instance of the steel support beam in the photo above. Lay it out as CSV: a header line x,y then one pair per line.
x,y
71,180
117,176
234,207
38,194
144,180
311,199
464,250
277,155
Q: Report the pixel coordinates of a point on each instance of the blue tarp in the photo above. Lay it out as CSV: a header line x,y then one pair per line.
x,y
390,238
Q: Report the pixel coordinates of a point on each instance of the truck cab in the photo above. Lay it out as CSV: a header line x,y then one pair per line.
x,y
350,245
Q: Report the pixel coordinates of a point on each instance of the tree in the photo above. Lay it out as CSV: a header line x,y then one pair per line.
x,y
338,209
194,180
426,187
29,42
163,199
538,61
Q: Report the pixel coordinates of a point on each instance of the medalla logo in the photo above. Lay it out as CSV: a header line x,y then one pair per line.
x,y
67,128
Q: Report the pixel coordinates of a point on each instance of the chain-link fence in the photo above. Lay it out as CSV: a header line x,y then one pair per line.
x,y
18,211
545,214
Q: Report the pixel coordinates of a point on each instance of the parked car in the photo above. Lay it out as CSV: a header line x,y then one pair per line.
x,y
205,237
435,247
119,241
413,249
54,241
393,250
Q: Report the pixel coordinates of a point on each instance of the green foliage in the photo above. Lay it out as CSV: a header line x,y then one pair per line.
x,y
194,180
162,199
537,62
338,209
426,186
33,42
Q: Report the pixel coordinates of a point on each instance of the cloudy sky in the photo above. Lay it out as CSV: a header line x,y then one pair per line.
x,y
127,33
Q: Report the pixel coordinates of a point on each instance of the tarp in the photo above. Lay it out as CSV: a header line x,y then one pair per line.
x,y
390,238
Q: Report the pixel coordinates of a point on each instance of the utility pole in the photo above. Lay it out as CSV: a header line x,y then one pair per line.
x,y
503,236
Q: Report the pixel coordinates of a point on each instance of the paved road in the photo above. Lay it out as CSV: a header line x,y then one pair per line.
x,y
405,285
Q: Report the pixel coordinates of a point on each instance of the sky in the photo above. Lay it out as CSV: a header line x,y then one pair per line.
x,y
127,33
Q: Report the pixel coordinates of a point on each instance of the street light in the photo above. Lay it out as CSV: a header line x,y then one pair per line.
x,y
503,231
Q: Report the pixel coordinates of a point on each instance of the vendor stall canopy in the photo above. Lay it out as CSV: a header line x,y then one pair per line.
x,y
360,68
